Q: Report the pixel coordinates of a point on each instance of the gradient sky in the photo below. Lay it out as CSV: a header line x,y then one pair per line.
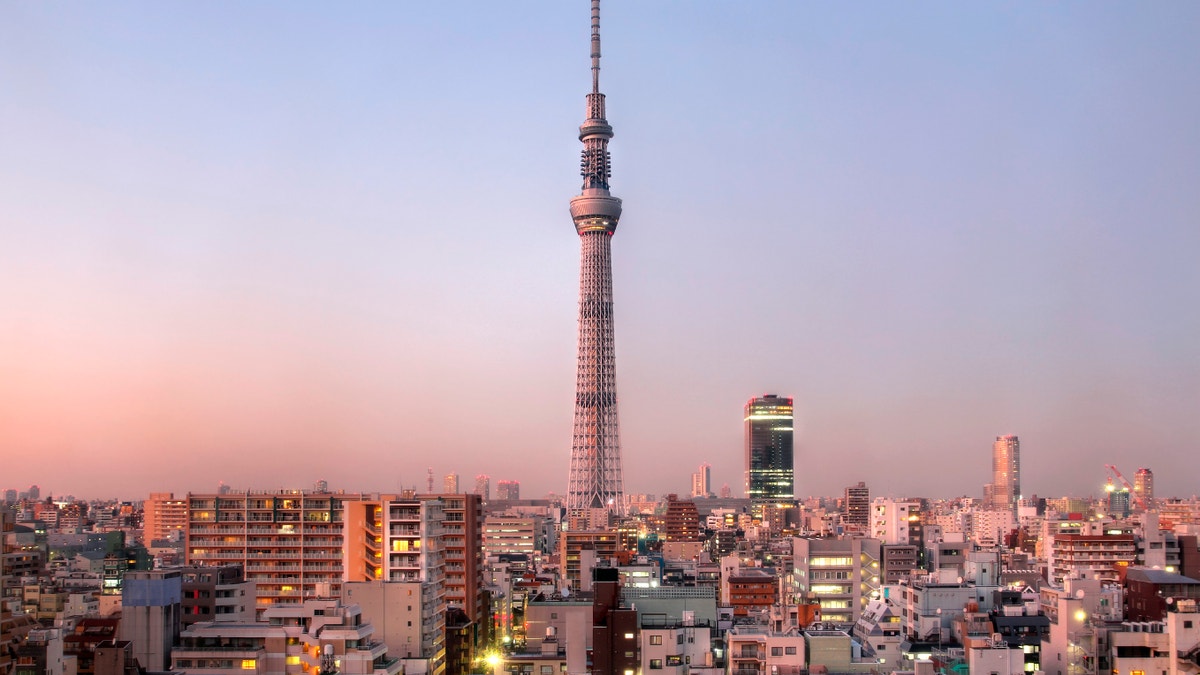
x,y
268,243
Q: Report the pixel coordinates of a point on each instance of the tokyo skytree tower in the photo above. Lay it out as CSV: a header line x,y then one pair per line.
x,y
595,480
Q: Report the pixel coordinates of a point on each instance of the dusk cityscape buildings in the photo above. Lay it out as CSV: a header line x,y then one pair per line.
x,y
840,577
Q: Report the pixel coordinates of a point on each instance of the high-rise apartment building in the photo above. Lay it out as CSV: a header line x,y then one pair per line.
x,y
1005,488
857,504
450,484
681,522
508,489
163,514
595,480
463,547
290,542
483,486
1143,487
770,473
702,481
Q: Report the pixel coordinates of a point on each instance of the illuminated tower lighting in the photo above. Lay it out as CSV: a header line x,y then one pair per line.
x,y
595,480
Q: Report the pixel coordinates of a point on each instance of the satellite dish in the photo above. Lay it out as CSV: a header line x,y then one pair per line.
x,y
1079,594
566,592
1170,601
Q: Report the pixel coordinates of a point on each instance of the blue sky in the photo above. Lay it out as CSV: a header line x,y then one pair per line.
x,y
300,241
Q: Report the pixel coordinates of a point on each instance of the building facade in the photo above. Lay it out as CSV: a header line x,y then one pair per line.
x,y
162,515
289,542
857,505
770,473
1005,488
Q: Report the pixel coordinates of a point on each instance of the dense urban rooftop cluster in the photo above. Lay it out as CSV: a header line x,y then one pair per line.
x,y
320,580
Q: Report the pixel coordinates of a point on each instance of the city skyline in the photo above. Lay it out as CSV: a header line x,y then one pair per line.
x,y
329,243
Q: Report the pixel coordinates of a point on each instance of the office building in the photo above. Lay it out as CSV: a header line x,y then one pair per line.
x,y
595,479
768,435
450,484
843,574
505,534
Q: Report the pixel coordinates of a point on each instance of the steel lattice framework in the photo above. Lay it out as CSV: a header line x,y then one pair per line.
x,y
595,480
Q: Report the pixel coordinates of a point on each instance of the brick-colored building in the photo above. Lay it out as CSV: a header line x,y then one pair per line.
x,y
751,590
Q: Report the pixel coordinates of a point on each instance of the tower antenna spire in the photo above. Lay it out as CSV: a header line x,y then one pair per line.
x,y
595,46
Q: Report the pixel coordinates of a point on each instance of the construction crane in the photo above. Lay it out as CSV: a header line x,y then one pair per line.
x,y
1139,500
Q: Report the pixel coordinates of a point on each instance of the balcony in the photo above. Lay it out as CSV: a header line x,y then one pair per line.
x,y
232,651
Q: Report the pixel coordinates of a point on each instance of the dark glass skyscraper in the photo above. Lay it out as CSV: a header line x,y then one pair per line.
x,y
769,471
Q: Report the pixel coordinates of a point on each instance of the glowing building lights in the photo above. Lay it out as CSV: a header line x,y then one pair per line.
x,y
770,474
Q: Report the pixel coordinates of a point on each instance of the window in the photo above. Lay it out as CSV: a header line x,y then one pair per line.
x,y
656,639
776,651
655,664
676,660
679,639
790,651
1187,624
553,615
880,648
547,670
